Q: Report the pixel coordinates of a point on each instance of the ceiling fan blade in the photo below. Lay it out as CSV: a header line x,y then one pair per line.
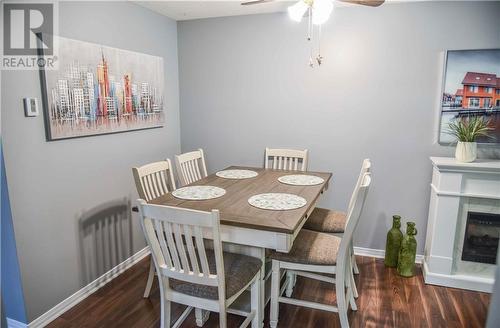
x,y
371,3
255,2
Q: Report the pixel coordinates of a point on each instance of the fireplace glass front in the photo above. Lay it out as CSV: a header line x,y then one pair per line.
x,y
481,237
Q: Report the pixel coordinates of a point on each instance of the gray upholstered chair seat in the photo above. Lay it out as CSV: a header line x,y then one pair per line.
x,y
310,247
324,220
239,270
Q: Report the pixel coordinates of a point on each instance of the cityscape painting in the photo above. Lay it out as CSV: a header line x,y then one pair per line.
x,y
101,90
471,88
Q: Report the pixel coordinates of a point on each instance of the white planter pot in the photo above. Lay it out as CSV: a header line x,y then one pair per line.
x,y
466,151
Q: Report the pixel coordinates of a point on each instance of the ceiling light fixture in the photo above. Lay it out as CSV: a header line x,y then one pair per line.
x,y
319,12
297,11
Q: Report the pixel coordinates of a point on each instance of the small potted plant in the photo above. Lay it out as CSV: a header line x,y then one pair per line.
x,y
466,130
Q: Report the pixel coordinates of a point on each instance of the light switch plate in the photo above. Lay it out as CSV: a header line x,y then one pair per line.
x,y
30,107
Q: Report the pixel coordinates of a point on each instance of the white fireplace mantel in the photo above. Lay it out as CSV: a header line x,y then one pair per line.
x,y
455,188
450,164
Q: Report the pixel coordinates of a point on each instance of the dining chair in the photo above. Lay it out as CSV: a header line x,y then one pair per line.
x,y
194,276
152,181
191,166
334,222
322,257
286,159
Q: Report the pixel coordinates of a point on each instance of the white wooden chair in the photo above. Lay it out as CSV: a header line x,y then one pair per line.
x,y
286,159
318,255
191,166
334,222
191,275
152,181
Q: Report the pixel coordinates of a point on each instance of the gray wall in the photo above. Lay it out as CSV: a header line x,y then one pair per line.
x,y
245,84
52,183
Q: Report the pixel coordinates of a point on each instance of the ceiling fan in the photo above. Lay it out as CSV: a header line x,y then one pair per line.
x,y
318,13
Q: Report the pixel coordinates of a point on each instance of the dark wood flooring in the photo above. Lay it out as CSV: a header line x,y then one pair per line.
x,y
386,300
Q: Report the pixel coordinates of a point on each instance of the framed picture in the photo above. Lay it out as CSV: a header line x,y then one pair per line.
x,y
101,90
471,87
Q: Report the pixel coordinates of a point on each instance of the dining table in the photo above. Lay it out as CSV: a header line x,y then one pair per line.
x,y
249,230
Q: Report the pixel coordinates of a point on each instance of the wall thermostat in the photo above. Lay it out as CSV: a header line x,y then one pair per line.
x,y
30,107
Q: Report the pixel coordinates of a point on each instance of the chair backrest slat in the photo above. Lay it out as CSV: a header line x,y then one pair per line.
x,y
163,243
192,171
170,232
183,173
157,183
180,246
154,184
191,166
154,180
200,244
144,187
163,181
191,250
286,159
197,170
171,245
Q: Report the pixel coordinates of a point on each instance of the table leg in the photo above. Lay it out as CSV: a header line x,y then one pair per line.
x,y
262,286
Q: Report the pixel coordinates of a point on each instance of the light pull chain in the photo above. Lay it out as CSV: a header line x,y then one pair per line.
x,y
310,34
309,24
319,59
309,37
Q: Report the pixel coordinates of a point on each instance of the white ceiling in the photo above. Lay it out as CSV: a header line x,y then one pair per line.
x,y
189,9
185,10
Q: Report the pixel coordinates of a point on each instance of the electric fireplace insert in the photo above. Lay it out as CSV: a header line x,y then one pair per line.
x,y
481,237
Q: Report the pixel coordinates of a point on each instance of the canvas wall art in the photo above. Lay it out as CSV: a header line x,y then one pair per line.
x,y
101,90
471,87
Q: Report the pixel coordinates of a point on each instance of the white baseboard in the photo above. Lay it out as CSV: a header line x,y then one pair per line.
x,y
86,291
11,323
380,253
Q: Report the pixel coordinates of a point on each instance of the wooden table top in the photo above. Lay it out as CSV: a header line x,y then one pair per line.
x,y
234,208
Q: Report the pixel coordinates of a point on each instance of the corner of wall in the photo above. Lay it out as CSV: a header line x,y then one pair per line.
x,y
12,293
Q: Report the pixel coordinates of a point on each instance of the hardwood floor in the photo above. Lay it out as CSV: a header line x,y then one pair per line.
x,y
386,300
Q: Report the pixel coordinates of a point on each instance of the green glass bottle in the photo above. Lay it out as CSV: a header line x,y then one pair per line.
x,y
408,251
393,242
